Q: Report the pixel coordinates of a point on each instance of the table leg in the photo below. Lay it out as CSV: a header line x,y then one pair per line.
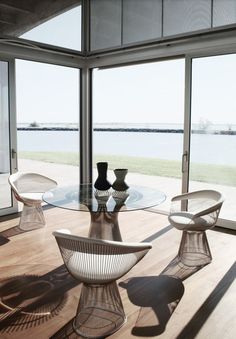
x,y
104,225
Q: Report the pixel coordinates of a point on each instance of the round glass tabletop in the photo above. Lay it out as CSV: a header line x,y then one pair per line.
x,y
86,198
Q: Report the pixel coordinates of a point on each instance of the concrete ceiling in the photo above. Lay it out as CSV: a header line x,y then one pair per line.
x,y
20,16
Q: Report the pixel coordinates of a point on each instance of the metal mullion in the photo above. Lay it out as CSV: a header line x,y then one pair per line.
x,y
122,23
212,4
162,18
12,126
86,141
85,36
40,55
217,43
187,125
12,112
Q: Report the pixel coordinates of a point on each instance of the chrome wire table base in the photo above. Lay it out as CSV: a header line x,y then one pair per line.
x,y
100,311
104,225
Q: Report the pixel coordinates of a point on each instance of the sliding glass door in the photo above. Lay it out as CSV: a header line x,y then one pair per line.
x,y
138,114
7,147
213,129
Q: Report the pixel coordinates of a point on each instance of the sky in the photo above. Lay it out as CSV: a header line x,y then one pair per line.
x,y
63,30
146,93
140,93
214,88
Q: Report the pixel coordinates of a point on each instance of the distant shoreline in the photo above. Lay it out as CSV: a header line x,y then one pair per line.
x,y
139,130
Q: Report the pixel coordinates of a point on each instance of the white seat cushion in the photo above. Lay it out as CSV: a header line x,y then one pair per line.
x,y
32,198
186,221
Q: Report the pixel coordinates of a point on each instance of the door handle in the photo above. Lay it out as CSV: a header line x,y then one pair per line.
x,y
184,160
13,153
14,157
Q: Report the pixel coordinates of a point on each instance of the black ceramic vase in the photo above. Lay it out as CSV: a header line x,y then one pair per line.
x,y
120,184
102,184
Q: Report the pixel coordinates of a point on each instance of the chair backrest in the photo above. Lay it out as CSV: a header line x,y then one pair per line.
x,y
30,182
200,204
205,202
98,261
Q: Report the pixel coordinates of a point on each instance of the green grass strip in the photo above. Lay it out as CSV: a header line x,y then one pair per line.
x,y
218,174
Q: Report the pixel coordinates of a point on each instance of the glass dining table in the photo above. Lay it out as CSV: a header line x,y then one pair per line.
x,y
103,206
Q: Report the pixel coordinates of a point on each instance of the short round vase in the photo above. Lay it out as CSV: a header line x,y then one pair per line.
x,y
120,184
102,184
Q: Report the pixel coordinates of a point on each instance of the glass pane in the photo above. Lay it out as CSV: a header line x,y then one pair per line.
x,y
213,138
5,195
48,120
186,16
105,26
138,123
224,12
141,20
55,23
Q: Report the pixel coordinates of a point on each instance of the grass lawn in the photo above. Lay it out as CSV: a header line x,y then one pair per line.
x,y
219,174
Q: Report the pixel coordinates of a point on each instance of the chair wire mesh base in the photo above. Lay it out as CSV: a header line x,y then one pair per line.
x,y
100,311
32,217
194,249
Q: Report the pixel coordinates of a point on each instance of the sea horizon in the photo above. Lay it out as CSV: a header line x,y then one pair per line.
x,y
127,125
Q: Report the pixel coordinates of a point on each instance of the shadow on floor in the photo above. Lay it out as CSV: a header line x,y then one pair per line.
x,y
178,270
158,294
6,234
161,294
30,300
158,234
66,331
191,330
11,232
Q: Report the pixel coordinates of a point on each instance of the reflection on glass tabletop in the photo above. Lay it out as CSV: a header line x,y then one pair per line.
x,y
85,198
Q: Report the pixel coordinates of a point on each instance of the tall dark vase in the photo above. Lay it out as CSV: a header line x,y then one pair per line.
x,y
120,184
102,184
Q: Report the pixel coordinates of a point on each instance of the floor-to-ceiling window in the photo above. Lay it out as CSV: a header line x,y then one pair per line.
x,y
47,92
47,103
213,128
138,114
5,140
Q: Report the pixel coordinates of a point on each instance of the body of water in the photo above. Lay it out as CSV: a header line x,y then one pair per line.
x,y
196,126
205,148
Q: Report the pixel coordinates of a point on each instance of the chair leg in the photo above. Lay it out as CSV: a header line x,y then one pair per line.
x,y
100,311
32,217
194,249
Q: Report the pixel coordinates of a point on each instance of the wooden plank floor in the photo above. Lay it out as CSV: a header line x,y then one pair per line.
x,y
162,299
